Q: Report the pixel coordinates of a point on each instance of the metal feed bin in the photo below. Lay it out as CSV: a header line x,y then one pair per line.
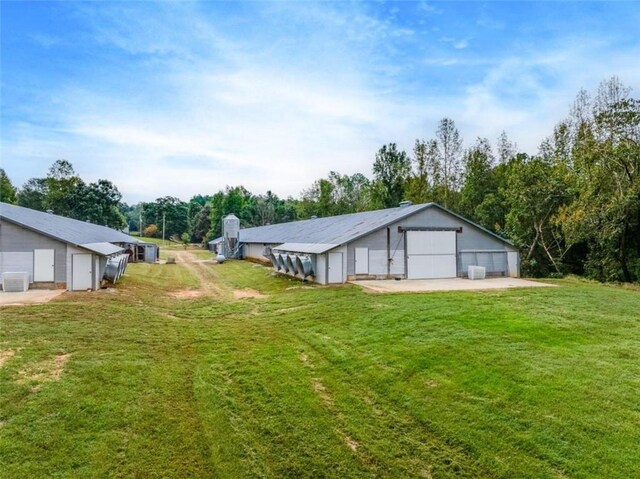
x,y
230,236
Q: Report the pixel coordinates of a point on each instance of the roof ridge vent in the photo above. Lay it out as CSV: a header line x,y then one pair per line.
x,y
405,203
313,217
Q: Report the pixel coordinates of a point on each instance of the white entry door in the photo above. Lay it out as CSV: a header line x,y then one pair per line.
x,y
362,260
82,272
335,268
43,265
431,254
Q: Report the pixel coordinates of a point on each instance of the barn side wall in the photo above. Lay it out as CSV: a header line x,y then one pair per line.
x,y
471,238
17,239
255,250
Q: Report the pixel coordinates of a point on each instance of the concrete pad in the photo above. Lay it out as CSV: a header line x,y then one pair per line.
x,y
33,296
449,284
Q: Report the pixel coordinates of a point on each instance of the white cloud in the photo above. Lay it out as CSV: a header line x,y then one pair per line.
x,y
460,44
210,109
457,43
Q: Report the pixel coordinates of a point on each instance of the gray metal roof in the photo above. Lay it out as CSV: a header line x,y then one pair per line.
x,y
103,249
65,229
316,248
337,230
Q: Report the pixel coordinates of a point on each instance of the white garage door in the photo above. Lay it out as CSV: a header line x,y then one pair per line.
x,y
431,254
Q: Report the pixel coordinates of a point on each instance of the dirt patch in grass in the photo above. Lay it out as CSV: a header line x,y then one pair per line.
x,y
321,390
43,372
350,442
248,293
6,355
187,293
291,309
426,473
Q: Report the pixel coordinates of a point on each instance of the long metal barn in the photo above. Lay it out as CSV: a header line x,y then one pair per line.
x,y
422,241
47,251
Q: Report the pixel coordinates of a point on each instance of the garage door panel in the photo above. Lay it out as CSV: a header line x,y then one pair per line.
x,y
431,254
431,242
431,266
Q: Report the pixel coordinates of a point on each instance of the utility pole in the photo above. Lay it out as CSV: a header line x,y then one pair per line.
x,y
140,227
163,224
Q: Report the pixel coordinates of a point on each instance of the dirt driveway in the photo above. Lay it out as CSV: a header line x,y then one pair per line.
x,y
450,284
201,268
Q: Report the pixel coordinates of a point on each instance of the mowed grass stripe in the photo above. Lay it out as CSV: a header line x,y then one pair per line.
x,y
322,381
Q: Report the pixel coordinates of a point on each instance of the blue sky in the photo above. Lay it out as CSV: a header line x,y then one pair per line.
x,y
182,98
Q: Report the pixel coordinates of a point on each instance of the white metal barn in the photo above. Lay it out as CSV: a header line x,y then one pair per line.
x,y
52,251
410,242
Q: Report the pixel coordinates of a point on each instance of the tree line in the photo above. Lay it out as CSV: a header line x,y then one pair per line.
x,y
574,207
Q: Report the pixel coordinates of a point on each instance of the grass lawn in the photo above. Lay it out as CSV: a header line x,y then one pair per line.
x,y
309,381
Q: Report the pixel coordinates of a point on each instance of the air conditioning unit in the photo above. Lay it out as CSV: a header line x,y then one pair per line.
x,y
15,282
477,272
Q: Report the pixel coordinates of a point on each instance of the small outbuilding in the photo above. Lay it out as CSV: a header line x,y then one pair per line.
x,y
422,241
52,251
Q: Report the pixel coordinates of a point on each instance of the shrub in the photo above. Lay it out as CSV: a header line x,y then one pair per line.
x,y
151,230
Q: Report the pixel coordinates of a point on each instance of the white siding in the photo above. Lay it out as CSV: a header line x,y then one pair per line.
x,y
377,262
96,272
513,258
17,263
255,250
362,260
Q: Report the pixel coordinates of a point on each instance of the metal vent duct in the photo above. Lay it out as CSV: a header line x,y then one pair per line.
x,y
274,261
282,265
115,268
304,265
291,268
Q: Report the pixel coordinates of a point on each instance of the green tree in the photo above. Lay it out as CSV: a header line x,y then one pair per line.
x,y
99,203
506,149
186,239
606,162
32,194
132,214
7,190
537,190
479,181
169,212
450,148
201,224
391,171
64,190
427,172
